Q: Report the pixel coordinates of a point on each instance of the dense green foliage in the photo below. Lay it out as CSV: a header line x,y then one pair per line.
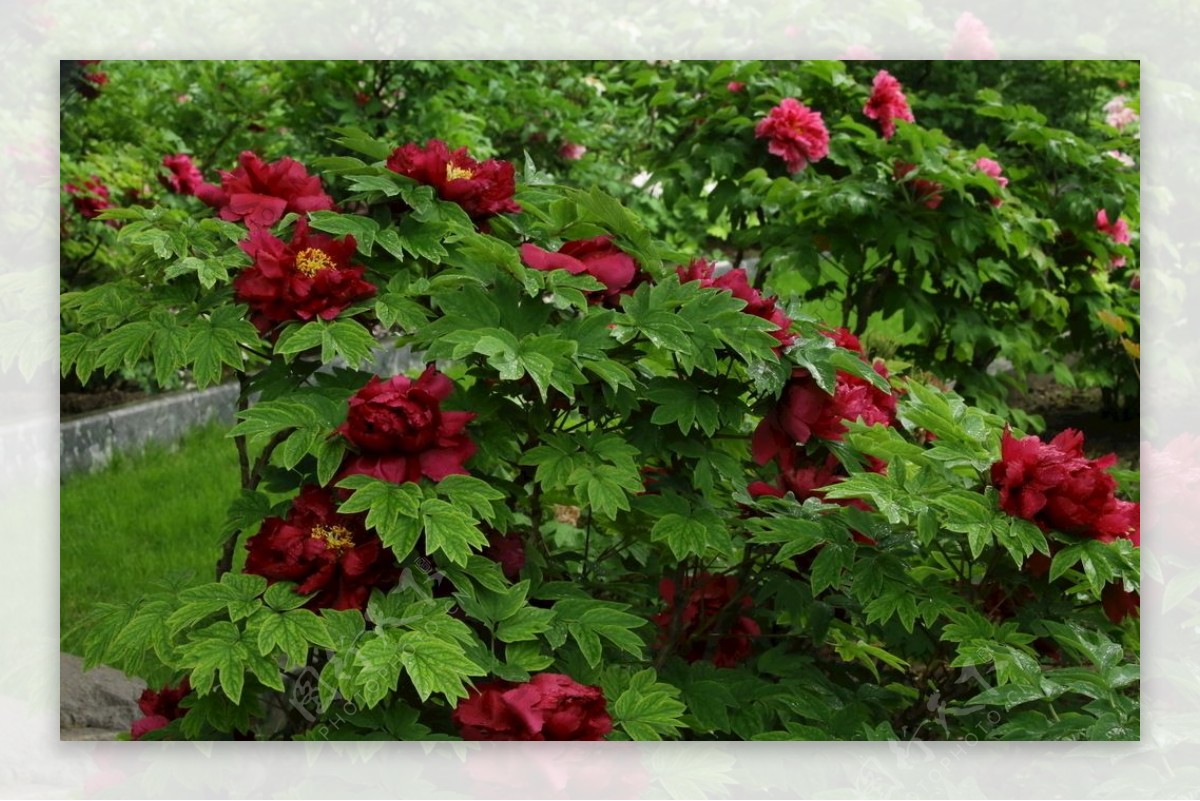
x,y
616,435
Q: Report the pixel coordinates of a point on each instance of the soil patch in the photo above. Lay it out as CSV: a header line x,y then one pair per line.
x,y
1064,407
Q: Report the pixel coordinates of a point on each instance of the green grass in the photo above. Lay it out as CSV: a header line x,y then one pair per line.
x,y
142,519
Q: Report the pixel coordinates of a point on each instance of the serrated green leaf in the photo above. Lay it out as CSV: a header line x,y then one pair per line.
x,y
435,666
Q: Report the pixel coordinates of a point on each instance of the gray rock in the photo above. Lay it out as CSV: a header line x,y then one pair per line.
x,y
99,700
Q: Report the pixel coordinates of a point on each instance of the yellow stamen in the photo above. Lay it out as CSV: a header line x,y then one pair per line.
x,y
311,261
454,172
336,538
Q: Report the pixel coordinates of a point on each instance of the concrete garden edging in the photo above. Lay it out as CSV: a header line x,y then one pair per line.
x,y
89,442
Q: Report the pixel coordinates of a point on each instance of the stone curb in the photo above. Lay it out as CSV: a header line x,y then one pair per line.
x,y
89,442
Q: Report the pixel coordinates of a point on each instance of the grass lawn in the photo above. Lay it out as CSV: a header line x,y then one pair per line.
x,y
142,519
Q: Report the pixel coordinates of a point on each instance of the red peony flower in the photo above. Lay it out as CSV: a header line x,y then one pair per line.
x,y
185,177
508,551
887,103
571,151
707,596
928,193
90,199
159,708
796,134
259,194
597,257
805,411
550,706
308,278
735,282
1119,602
842,337
811,480
482,189
1055,486
323,551
401,432
994,170
1117,232
735,86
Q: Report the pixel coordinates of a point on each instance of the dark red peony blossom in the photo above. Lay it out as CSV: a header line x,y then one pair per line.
x,y
597,257
707,596
805,411
796,134
550,706
259,194
483,189
308,278
159,708
185,177
1055,486
323,551
1119,602
90,199
810,480
735,282
926,192
401,432
508,551
887,103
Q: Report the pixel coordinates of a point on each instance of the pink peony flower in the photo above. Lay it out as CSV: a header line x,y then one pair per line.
x,y
258,194
735,282
185,177
992,169
1118,232
859,52
796,134
598,257
572,151
735,86
887,103
1119,115
971,39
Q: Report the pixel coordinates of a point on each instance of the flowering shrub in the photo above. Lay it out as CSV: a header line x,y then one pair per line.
x,y
619,498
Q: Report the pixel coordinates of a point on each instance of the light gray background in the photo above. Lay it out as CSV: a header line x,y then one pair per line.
x,y
37,33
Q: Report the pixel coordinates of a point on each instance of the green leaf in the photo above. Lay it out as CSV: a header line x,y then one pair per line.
x,y
471,493
692,535
218,341
435,666
282,596
605,488
347,339
376,668
525,625
831,563
449,530
217,652
649,709
796,535
683,403
363,229
292,632
588,621
393,510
